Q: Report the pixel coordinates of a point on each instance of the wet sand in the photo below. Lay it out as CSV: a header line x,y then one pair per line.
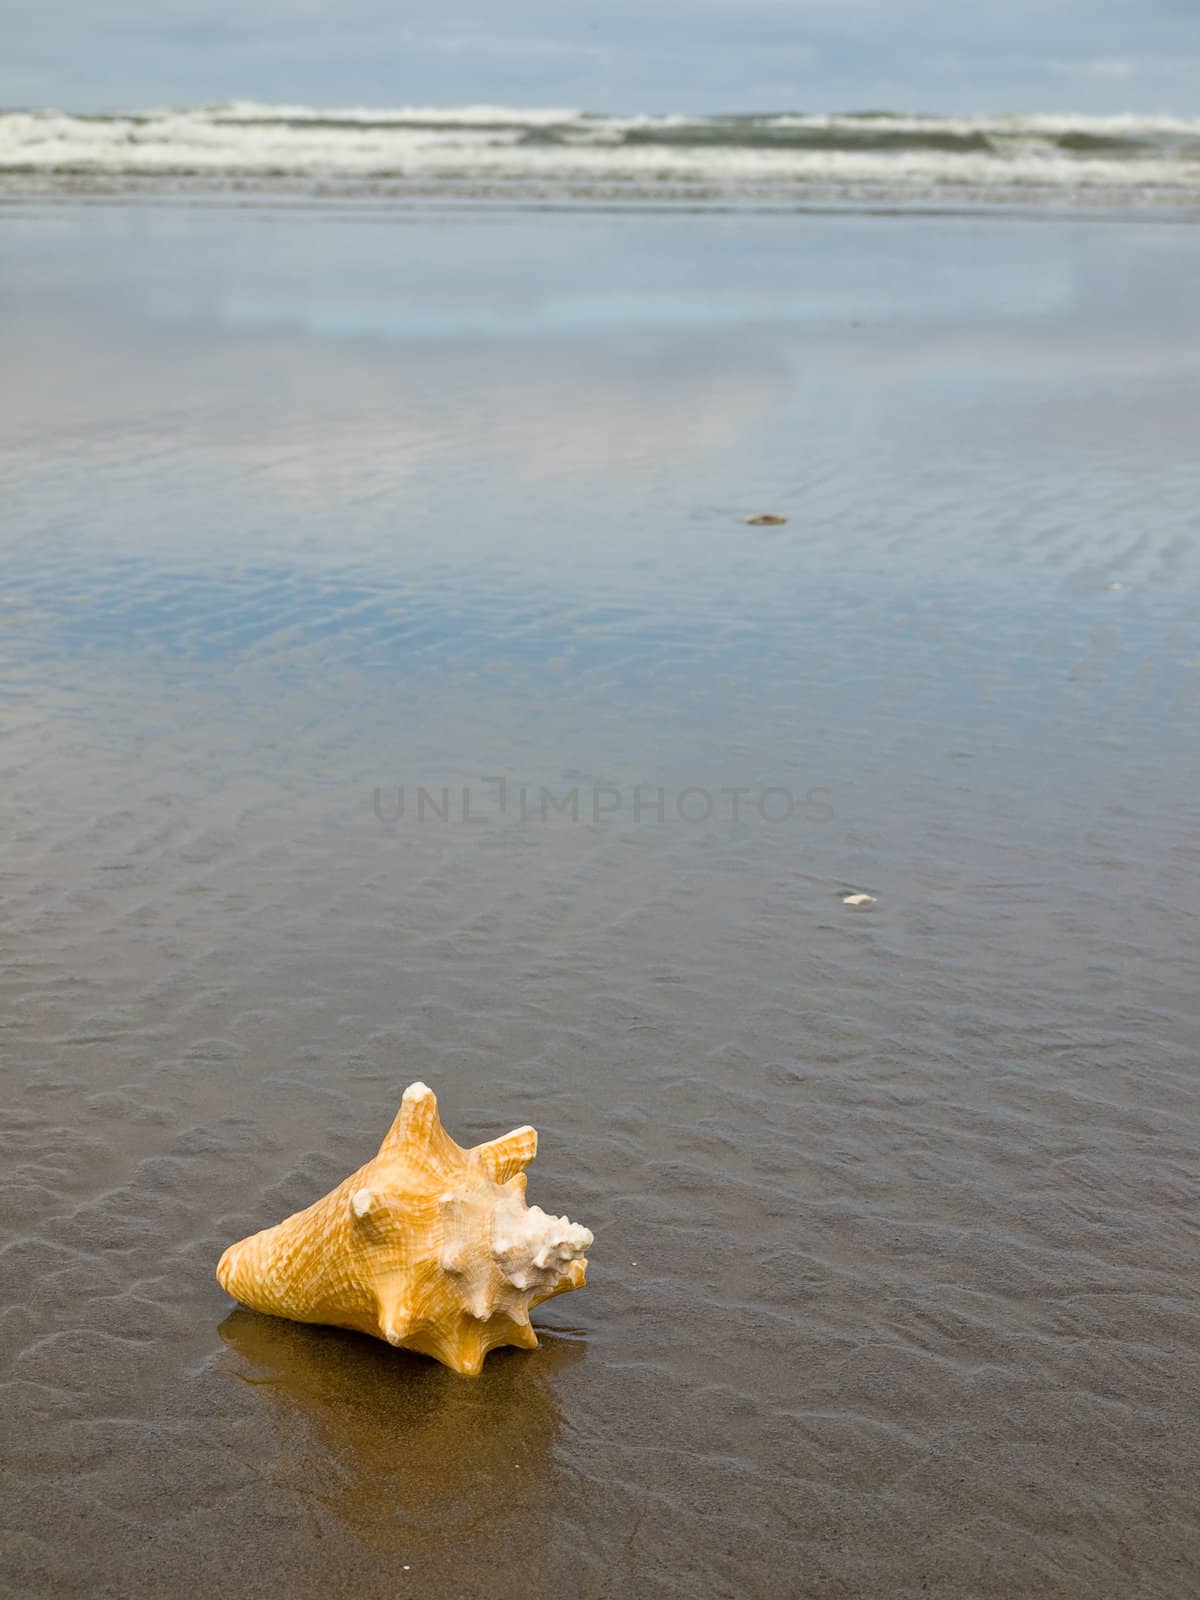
x,y
894,1284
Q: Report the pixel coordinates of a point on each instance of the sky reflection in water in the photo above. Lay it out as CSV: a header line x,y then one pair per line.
x,y
514,455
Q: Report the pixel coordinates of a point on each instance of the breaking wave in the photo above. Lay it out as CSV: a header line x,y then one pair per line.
x,y
572,156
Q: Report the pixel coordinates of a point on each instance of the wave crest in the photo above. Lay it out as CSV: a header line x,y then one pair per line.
x,y
567,154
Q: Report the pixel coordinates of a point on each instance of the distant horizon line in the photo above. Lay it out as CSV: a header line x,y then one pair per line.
x,y
236,102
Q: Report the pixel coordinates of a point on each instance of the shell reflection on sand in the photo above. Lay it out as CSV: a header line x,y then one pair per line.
x,y
395,1448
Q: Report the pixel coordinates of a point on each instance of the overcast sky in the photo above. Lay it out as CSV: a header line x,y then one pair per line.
x,y
625,55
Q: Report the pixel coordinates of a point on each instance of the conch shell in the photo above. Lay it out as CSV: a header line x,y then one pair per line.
x,y
428,1246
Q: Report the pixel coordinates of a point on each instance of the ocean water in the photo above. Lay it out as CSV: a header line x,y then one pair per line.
x,y
566,157
394,688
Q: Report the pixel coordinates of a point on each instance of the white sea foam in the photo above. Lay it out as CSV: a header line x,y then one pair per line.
x,y
462,116
1120,126
568,154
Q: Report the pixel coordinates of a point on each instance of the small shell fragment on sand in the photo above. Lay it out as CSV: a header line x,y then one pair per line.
x,y
859,899
765,519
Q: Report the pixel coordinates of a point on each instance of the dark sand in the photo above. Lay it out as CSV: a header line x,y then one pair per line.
x,y
894,1289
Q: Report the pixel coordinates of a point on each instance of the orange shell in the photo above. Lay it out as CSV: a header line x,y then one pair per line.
x,y
428,1246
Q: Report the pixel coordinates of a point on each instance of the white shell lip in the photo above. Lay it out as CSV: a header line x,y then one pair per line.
x,y
534,1250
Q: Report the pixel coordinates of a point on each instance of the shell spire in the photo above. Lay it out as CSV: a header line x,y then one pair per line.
x,y
428,1246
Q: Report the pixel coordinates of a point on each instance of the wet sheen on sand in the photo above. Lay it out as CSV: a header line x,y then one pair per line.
x,y
894,1284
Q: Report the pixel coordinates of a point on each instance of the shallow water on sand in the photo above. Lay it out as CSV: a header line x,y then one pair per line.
x,y
894,1283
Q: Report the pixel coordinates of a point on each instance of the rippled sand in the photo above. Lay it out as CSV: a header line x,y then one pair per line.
x,y
894,1283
